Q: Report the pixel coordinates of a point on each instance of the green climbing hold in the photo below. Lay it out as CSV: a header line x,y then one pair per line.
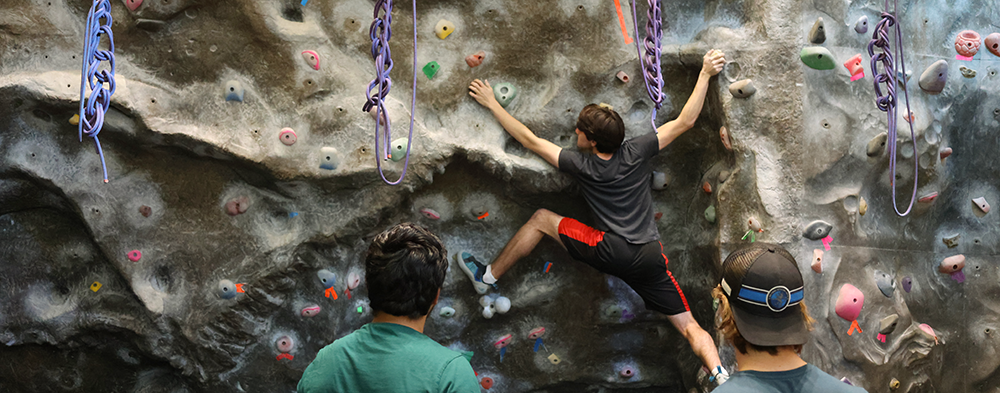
x,y
817,58
710,214
430,69
361,310
398,149
505,93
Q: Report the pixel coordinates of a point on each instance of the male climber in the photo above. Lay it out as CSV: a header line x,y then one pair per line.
x,y
615,179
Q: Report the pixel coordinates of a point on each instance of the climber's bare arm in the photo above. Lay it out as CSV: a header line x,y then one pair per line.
x,y
712,64
483,93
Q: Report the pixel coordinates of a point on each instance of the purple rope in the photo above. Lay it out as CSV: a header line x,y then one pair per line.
x,y
93,108
888,102
651,58
381,32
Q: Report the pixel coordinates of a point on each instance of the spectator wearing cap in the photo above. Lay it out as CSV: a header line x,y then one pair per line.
x,y
762,314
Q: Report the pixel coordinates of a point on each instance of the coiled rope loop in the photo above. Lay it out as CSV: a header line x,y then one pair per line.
x,y
93,108
651,74
888,102
378,88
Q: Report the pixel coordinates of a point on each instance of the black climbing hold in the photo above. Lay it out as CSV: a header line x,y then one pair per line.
x,y
877,145
817,34
817,230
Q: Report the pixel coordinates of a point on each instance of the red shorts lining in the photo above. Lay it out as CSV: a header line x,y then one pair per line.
x,y
578,231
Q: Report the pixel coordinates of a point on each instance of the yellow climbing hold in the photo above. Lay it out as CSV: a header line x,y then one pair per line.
x,y
95,286
443,28
75,120
862,206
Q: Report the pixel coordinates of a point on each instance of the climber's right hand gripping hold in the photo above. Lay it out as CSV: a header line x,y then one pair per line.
x,y
712,64
483,93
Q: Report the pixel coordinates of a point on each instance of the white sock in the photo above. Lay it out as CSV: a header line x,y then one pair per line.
x,y
488,276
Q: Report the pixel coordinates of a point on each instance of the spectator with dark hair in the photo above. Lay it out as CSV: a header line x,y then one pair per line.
x,y
762,313
405,267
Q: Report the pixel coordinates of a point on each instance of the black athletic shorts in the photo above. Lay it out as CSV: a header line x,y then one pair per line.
x,y
642,266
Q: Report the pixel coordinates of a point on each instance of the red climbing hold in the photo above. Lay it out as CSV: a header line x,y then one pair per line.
x,y
475,59
657,216
928,198
134,255
855,68
237,206
132,4
724,134
945,153
486,383
707,187
146,211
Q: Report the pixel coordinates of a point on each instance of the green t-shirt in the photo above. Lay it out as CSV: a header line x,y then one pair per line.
x,y
805,379
386,357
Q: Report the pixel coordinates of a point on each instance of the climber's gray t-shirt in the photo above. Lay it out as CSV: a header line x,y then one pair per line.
x,y
804,379
617,190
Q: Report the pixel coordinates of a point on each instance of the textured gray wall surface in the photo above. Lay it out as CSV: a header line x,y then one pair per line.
x,y
210,196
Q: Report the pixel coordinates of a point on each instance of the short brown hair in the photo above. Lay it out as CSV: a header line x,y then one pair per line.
x,y
405,267
602,125
726,324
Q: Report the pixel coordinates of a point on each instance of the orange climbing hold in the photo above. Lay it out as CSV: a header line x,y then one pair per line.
x,y
707,187
475,59
331,292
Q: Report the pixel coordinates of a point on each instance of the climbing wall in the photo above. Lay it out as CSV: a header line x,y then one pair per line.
x,y
225,249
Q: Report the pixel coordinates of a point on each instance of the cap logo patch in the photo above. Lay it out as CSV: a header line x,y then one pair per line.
x,y
777,299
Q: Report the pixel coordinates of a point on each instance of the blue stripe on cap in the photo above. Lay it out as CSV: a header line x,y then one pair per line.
x,y
753,295
795,296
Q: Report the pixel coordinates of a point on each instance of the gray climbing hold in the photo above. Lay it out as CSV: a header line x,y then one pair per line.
x,y
613,312
234,91
754,225
326,277
817,230
227,289
888,324
907,284
934,77
951,241
504,93
901,78
742,89
861,26
982,204
967,72
877,145
660,180
329,159
710,214
447,312
885,283
398,149
817,34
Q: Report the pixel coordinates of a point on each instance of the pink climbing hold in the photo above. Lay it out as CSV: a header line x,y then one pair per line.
x,y
981,203
622,76
849,302
284,344
855,68
626,372
536,333
311,58
353,280
430,213
287,136
967,43
826,242
502,341
237,206
945,153
724,134
928,198
929,331
134,255
952,264
310,311
132,4
817,261
475,59
992,42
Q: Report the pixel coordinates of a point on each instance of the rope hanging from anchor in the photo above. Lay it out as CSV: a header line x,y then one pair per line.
x,y
650,60
93,108
378,89
888,102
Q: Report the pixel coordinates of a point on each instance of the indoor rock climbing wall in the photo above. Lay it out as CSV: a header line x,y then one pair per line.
x,y
225,250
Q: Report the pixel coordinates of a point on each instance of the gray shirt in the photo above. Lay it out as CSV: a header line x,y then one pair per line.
x,y
617,190
805,379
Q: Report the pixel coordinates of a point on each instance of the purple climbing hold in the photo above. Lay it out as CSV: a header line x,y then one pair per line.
x,y
907,284
287,136
861,26
237,206
934,78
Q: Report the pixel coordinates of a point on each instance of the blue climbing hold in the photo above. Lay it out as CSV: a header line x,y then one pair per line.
x,y
234,91
504,93
329,159
326,277
227,289
399,148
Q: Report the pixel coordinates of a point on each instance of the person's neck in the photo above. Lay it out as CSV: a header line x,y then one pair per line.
x,y
415,324
603,156
786,359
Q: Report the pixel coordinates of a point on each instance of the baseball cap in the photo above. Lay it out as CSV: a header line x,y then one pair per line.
x,y
764,287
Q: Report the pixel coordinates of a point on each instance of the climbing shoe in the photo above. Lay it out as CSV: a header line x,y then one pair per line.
x,y
474,269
